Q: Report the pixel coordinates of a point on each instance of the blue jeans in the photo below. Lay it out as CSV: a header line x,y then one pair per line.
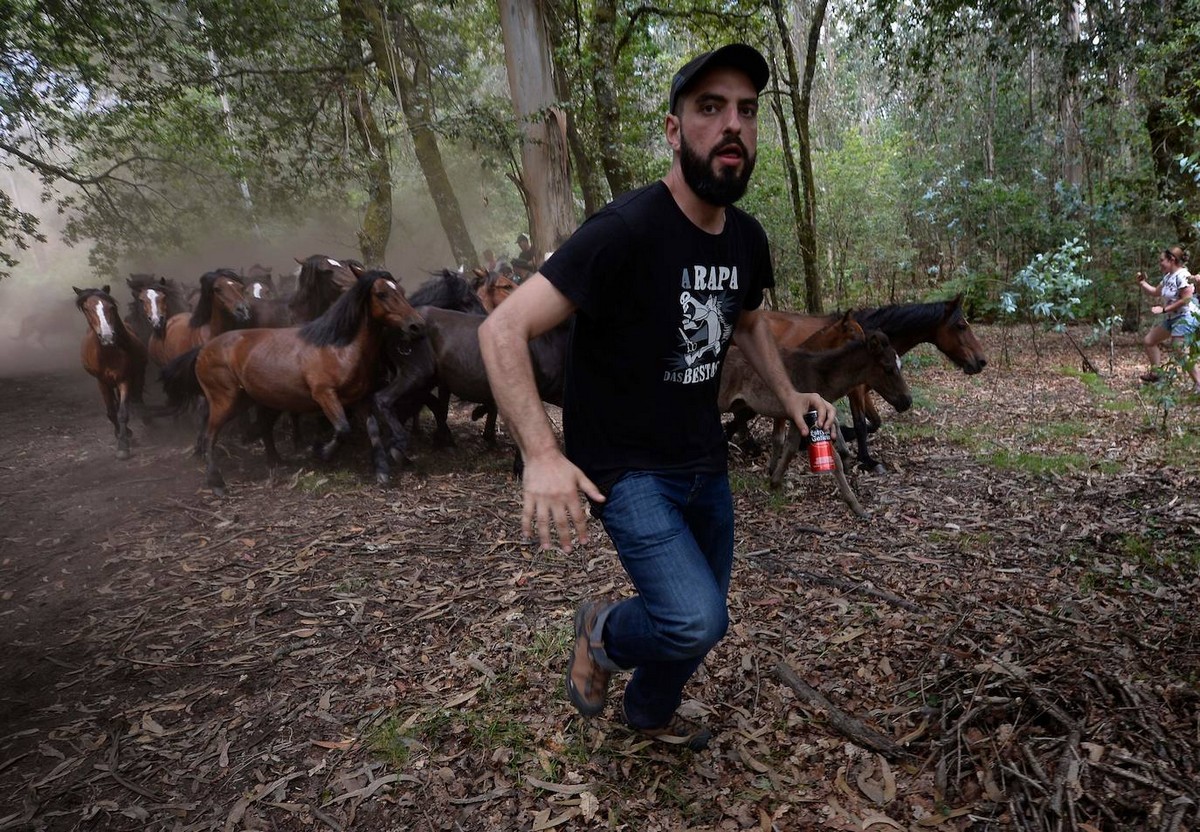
x,y
674,535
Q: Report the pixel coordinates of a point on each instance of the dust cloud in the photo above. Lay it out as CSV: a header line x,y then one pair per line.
x,y
41,330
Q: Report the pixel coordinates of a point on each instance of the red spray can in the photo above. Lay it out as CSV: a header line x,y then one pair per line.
x,y
820,446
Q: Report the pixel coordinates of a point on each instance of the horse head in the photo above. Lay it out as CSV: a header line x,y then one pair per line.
x,y
101,312
884,376
321,281
390,307
495,290
260,286
229,293
957,341
152,303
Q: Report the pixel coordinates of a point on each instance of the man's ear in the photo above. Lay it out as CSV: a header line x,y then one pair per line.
x,y
673,129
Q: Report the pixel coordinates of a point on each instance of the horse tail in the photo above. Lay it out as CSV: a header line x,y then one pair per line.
x,y
179,381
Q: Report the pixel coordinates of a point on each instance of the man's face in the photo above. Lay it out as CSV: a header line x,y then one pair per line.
x,y
717,129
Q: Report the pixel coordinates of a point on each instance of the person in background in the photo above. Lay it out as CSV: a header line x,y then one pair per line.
x,y
489,261
643,433
1181,315
522,270
524,248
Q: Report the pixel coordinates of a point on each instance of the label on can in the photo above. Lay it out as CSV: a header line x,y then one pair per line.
x,y
820,446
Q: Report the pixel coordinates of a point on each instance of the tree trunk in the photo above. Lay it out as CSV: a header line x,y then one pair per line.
x,y
395,44
1068,97
806,227
545,175
789,165
587,172
603,43
377,220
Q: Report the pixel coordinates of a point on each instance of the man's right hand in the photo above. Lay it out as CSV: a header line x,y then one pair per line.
x,y
552,484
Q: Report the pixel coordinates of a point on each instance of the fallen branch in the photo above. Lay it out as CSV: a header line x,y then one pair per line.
x,y
847,725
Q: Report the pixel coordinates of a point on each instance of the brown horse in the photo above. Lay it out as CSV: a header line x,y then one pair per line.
x,y
324,365
267,309
941,323
494,290
839,331
831,373
222,307
154,300
114,357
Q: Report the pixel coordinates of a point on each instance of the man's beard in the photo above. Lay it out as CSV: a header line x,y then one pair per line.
x,y
722,189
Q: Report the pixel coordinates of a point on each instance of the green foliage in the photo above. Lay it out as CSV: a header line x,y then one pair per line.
x,y
1051,286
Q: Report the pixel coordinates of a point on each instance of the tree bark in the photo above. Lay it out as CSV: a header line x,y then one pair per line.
x,y
545,174
806,228
587,171
396,43
376,227
1068,100
603,43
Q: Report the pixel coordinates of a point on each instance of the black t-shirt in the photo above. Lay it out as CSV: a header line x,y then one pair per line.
x,y
657,300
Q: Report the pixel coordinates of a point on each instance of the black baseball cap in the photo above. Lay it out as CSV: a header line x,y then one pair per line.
x,y
737,55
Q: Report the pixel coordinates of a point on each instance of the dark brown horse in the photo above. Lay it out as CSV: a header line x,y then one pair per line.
x,y
322,280
115,357
831,373
941,323
838,332
325,365
222,307
449,358
267,309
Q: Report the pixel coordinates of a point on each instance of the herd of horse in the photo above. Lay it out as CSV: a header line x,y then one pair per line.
x,y
348,339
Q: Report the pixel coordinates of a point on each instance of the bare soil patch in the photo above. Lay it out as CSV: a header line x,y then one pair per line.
x,y
316,652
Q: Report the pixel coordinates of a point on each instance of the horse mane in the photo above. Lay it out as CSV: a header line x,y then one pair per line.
x,y
447,290
338,325
204,305
904,316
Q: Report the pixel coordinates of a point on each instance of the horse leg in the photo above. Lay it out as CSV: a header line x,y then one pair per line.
x,y
297,435
489,427
865,461
442,437
110,404
790,447
266,419
220,410
385,402
124,435
779,435
336,415
379,454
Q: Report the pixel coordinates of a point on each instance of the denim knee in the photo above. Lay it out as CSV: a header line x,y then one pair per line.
x,y
695,635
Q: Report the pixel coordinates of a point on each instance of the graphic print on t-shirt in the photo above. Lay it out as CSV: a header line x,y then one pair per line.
x,y
705,307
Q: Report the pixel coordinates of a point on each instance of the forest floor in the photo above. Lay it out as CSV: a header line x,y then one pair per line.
x,y
1014,626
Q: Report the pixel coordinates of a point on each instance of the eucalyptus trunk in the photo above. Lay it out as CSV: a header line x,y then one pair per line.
x,y
603,43
567,84
806,226
545,174
1068,97
376,228
396,44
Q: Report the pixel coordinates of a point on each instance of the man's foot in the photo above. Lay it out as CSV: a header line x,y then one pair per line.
x,y
587,681
679,730
1150,377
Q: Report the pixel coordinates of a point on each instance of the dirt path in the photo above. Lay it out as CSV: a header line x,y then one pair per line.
x,y
315,652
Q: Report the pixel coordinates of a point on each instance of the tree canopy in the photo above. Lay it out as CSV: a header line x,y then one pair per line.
x,y
947,147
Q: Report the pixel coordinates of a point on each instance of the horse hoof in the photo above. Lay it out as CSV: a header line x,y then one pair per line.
x,y
382,479
122,453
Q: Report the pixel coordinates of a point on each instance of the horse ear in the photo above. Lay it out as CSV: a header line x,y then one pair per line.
x,y
163,281
876,341
105,289
298,260
78,291
358,268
